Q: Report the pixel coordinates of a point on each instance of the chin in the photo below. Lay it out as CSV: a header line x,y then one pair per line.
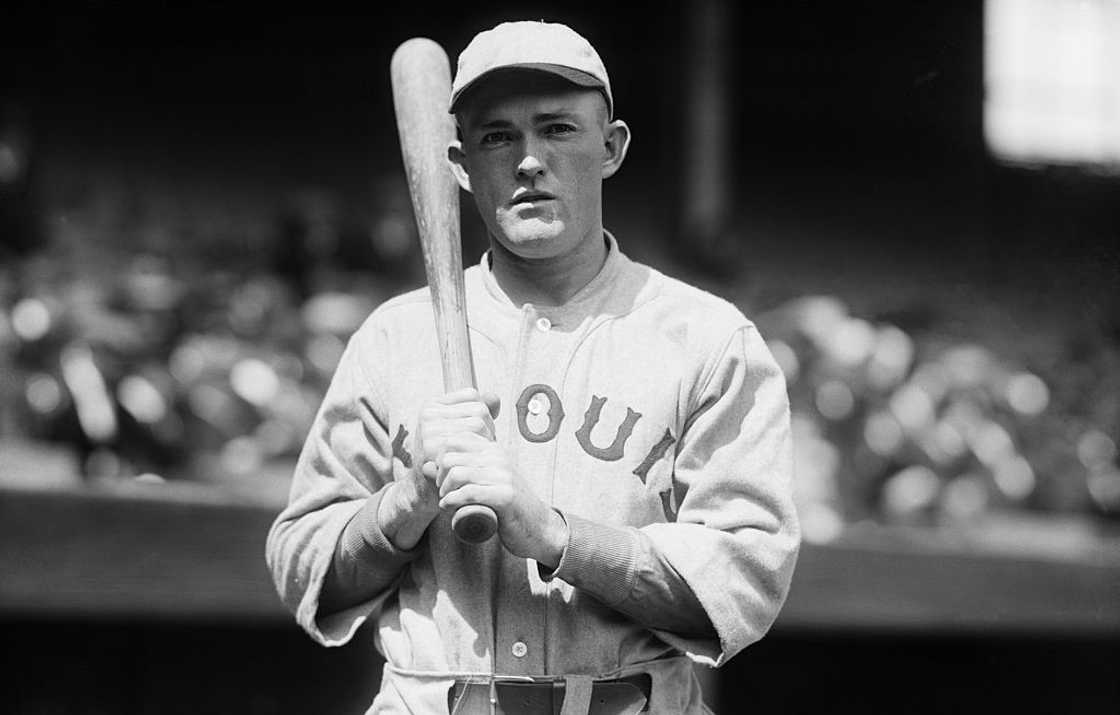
x,y
532,238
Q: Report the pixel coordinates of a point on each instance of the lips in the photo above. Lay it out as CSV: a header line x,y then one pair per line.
x,y
531,196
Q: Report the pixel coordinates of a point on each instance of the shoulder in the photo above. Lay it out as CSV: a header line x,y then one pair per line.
x,y
697,316
703,337
392,319
694,299
399,310
403,305
408,315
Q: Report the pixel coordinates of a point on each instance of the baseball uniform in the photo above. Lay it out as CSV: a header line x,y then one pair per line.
x,y
649,413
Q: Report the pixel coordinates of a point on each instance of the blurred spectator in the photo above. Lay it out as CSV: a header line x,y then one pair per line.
x,y
19,233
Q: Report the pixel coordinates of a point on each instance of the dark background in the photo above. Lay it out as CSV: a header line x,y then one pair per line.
x,y
856,131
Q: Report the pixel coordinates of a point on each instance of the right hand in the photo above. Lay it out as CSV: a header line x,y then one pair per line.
x,y
412,503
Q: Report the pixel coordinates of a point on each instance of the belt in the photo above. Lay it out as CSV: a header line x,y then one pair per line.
x,y
545,696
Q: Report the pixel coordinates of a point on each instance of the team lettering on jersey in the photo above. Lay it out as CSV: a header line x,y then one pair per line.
x,y
612,452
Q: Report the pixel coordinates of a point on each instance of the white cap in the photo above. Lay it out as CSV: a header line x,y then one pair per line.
x,y
542,46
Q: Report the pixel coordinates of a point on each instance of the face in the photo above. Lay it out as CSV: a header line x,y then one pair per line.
x,y
534,153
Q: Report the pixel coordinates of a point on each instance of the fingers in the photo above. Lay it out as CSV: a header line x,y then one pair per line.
x,y
467,394
493,403
437,446
459,476
468,458
455,397
460,410
440,425
470,395
455,421
465,443
471,459
439,429
491,495
437,418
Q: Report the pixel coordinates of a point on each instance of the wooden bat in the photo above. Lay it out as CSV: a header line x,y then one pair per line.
x,y
421,78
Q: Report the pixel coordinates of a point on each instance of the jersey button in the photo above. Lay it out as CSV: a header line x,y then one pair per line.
x,y
544,325
519,649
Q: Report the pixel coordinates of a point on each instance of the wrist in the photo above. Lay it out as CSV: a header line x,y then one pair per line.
x,y
402,518
554,540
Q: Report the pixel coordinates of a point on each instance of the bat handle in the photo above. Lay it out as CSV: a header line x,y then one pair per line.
x,y
474,523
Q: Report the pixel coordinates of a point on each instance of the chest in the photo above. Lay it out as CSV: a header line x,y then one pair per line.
x,y
590,418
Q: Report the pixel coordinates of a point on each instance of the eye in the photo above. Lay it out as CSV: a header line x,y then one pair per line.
x,y
494,138
559,129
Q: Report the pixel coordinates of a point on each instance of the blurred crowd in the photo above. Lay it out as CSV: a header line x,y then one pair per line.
x,y
144,339
913,427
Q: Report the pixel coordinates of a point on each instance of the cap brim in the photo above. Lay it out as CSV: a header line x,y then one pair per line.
x,y
574,76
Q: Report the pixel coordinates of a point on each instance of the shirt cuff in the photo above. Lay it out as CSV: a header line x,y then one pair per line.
x,y
599,559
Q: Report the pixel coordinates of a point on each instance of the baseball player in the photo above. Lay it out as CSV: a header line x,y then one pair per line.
x,y
632,437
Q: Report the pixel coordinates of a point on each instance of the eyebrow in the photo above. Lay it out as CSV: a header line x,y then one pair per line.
x,y
553,116
541,118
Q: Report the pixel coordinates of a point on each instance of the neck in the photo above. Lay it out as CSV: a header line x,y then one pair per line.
x,y
549,281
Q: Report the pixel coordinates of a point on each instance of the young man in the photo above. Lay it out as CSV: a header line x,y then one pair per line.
x,y
632,437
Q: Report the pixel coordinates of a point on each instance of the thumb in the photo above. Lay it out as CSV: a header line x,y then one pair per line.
x,y
493,403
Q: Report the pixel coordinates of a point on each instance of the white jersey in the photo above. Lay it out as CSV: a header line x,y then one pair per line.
x,y
648,412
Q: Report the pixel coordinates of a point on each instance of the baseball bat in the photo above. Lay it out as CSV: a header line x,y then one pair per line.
x,y
421,79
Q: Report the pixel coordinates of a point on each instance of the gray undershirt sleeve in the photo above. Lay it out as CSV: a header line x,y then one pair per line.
x,y
620,567
365,562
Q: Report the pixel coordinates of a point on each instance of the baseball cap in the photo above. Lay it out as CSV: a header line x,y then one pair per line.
x,y
528,44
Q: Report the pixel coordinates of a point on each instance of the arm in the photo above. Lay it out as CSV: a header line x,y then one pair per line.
x,y
341,477
392,522
370,539
712,582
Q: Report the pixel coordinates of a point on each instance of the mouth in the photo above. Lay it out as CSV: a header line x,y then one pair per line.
x,y
528,197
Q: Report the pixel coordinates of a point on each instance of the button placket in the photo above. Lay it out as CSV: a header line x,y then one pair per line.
x,y
522,614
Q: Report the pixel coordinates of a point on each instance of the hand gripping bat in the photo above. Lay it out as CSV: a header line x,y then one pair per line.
x,y
421,79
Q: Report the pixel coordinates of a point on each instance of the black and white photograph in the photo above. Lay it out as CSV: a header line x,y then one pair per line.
x,y
585,359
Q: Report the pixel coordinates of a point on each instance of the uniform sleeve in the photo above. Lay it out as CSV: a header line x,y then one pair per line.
x,y
345,464
713,581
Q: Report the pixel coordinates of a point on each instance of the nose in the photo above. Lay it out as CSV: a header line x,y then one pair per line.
x,y
530,166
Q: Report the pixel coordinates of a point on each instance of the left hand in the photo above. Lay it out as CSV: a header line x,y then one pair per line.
x,y
475,470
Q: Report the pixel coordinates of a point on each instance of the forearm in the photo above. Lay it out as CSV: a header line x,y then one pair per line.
x,y
367,559
622,568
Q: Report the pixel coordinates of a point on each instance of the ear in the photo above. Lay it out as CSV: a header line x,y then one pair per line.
x,y
457,160
616,137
